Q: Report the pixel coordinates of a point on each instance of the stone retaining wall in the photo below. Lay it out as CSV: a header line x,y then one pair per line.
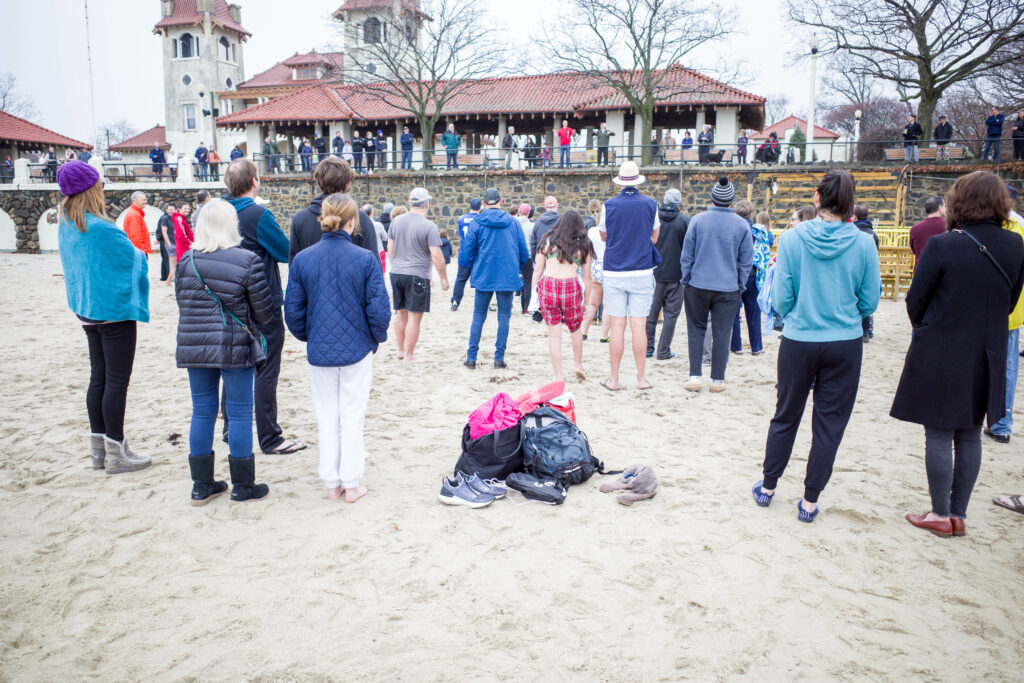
x,y
452,191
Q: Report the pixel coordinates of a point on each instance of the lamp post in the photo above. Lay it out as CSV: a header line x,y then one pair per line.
x,y
211,112
813,43
856,133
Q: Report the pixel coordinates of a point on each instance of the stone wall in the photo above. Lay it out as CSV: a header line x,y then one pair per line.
x,y
574,188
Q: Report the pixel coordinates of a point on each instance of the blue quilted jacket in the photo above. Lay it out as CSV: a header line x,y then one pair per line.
x,y
336,301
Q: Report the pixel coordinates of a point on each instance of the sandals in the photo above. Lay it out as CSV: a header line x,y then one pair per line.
x,y
760,497
605,340
804,515
287,447
1016,503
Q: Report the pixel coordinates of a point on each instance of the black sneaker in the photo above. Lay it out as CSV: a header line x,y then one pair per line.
x,y
471,364
500,364
998,438
455,306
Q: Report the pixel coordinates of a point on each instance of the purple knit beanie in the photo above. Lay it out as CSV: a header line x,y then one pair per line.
x,y
75,177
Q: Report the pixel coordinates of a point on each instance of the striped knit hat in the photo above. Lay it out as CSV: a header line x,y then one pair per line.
x,y
723,192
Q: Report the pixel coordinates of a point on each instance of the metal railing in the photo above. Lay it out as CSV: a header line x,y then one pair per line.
x,y
125,172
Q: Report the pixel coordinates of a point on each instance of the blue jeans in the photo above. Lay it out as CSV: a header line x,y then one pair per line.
x,y
406,158
453,160
204,171
993,145
205,385
1005,426
564,156
459,290
481,302
750,310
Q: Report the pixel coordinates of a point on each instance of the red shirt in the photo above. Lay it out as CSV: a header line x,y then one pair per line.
x,y
565,135
923,231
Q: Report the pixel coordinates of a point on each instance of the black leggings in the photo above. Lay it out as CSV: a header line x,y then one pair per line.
x,y
832,369
111,355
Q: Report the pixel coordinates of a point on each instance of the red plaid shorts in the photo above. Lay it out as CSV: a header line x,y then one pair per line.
x,y
561,300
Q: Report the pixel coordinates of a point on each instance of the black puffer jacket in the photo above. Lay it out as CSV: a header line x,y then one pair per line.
x,y
236,276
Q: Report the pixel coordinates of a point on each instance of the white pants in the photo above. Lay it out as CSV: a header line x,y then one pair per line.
x,y
339,399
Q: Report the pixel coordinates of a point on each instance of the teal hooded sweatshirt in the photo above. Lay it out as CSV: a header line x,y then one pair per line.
x,y
826,281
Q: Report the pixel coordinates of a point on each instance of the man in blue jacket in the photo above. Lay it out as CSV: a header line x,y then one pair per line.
x,y
201,156
262,236
406,142
994,133
495,250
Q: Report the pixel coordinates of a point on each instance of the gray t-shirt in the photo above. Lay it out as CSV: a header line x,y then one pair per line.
x,y
413,235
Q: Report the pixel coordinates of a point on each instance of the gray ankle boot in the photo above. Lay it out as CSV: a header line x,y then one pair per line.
x,y
99,451
119,458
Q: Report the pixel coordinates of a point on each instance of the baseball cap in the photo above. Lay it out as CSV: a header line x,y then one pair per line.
x,y
491,196
474,204
550,202
419,196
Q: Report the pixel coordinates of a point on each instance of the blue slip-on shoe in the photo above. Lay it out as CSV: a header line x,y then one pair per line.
x,y
760,497
804,515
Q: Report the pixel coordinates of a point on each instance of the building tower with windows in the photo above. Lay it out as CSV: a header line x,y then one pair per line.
x,y
373,26
202,55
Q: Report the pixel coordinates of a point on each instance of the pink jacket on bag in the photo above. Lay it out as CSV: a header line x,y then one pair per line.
x,y
497,413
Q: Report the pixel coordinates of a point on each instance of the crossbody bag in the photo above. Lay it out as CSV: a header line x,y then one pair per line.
x,y
257,342
984,250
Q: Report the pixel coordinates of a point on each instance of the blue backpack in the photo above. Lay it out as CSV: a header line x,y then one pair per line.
x,y
555,448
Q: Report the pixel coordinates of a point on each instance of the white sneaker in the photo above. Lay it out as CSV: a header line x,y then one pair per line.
x,y
694,384
717,386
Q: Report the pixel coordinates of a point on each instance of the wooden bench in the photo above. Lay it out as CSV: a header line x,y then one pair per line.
x,y
464,160
924,153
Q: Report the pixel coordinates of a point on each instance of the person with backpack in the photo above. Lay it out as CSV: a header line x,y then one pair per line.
x,y
566,251
223,298
668,292
337,304
826,280
495,251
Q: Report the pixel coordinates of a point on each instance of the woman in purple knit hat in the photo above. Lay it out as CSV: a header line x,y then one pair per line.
x,y
107,289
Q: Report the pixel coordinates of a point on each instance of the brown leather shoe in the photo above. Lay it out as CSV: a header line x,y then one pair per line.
x,y
939,527
959,528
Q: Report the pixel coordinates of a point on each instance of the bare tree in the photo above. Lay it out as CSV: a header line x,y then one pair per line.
x,y
454,56
922,47
843,84
966,112
12,100
1003,85
634,47
113,132
776,108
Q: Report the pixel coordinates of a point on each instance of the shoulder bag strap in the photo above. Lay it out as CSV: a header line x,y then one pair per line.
x,y
223,308
984,250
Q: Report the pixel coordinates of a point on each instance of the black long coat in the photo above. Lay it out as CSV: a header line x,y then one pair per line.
x,y
959,305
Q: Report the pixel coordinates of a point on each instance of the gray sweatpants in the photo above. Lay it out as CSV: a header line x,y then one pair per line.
x,y
667,296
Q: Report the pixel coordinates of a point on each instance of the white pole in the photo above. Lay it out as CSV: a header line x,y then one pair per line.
x,y
810,109
92,90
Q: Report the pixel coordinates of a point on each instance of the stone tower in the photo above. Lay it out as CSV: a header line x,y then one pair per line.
x,y
372,26
202,55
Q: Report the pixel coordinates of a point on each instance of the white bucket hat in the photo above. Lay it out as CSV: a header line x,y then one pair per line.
x,y
629,175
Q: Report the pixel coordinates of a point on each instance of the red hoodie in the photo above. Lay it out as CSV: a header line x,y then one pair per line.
x,y
182,235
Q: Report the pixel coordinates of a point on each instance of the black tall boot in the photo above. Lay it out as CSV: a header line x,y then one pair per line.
x,y
243,480
204,488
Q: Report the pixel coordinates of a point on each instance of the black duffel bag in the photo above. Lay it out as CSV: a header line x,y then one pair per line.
x,y
492,456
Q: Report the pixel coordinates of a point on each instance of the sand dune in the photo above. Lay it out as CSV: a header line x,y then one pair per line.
x,y
118,578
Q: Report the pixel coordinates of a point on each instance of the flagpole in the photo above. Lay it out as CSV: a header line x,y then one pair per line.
x,y
92,90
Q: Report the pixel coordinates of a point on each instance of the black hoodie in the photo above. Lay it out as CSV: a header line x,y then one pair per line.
x,y
306,230
670,243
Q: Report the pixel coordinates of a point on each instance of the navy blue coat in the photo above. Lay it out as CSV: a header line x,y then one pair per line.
x,y
336,301
496,251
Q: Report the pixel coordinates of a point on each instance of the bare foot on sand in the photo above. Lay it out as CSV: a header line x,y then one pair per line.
x,y
411,359
335,493
580,376
642,383
352,495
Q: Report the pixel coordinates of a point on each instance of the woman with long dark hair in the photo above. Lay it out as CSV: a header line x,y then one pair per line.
x,y
566,252
826,281
965,286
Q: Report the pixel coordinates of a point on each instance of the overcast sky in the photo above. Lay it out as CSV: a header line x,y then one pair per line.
x,y
44,46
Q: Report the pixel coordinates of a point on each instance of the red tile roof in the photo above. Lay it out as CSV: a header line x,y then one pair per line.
x,y
791,121
186,14
143,140
555,93
15,129
317,102
281,73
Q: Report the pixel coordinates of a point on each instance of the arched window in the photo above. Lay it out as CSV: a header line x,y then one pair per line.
x,y
371,31
224,50
187,46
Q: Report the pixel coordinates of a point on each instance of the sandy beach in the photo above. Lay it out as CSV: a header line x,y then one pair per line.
x,y
118,578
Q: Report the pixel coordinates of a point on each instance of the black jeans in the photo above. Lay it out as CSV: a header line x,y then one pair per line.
x,y
268,431
752,313
459,290
667,295
951,479
111,357
527,293
833,369
602,158
1018,149
722,306
165,259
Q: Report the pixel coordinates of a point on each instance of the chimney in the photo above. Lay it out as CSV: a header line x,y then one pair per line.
x,y
236,13
166,8
204,6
